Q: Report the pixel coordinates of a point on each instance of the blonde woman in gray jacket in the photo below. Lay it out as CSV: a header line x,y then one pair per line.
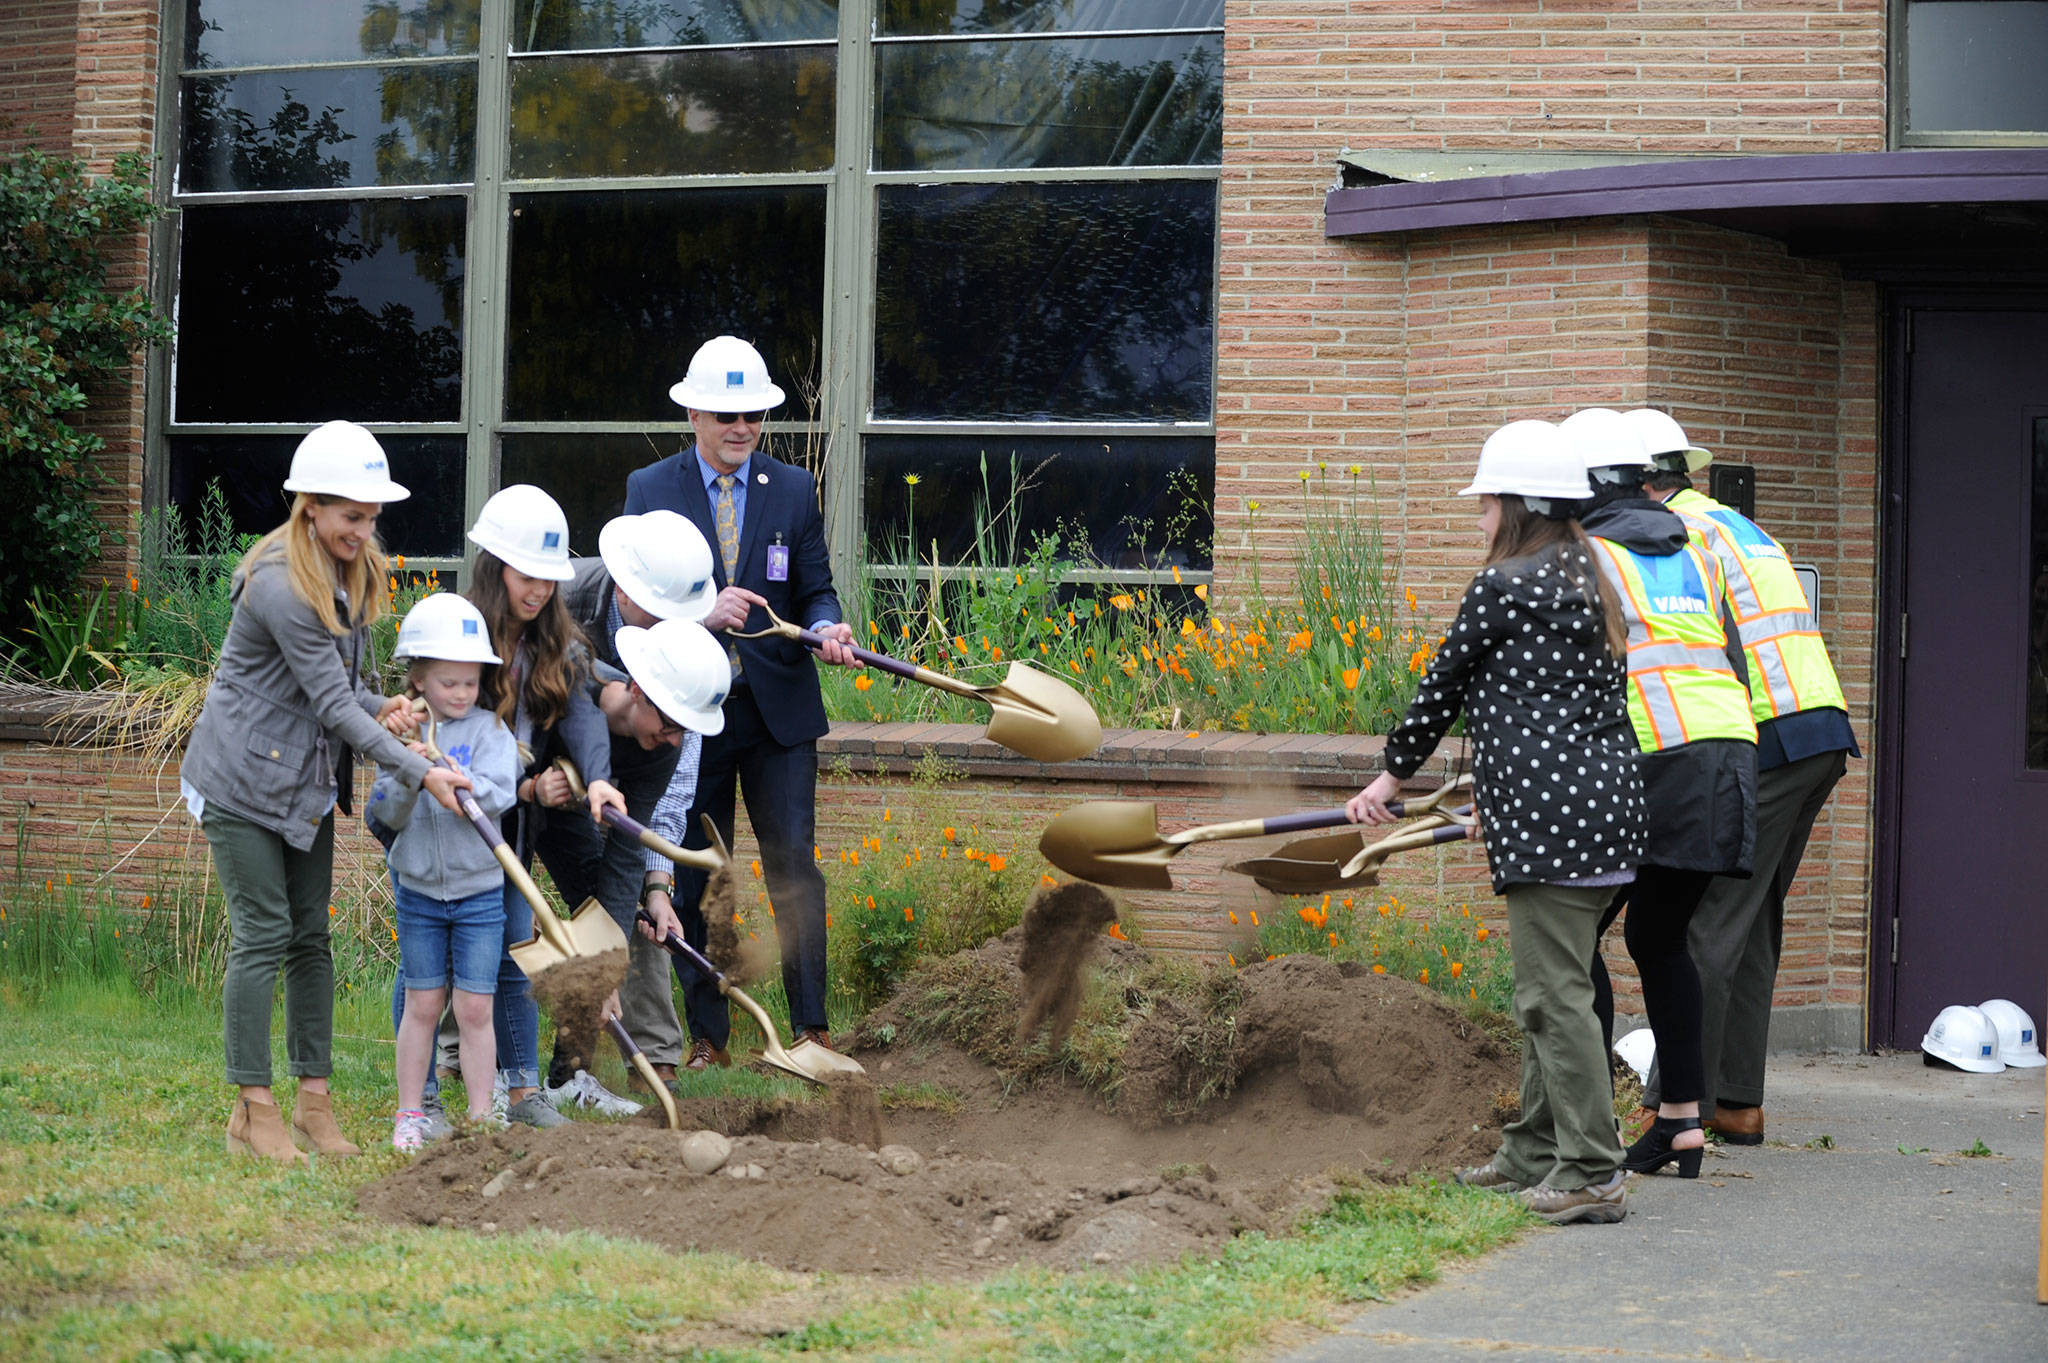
x,y
272,755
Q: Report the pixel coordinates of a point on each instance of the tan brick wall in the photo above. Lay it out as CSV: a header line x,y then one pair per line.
x,y
37,54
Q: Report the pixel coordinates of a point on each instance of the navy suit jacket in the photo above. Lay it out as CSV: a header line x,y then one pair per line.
x,y
782,507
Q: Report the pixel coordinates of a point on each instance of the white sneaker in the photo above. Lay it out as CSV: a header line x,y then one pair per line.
x,y
584,1090
409,1132
499,1099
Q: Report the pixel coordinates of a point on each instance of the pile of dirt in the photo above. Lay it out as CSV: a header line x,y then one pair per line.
x,y
1286,1077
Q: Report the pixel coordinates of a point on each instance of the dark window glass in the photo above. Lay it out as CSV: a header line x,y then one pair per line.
x,y
1123,502
577,25
310,311
330,127
1044,16
585,473
274,32
1058,102
251,470
1975,66
1030,301
684,113
2037,606
612,292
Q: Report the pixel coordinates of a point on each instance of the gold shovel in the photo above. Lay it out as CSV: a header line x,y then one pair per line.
x,y
1342,861
1030,712
589,933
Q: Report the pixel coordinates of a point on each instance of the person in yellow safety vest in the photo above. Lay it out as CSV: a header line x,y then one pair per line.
x,y
1689,703
1803,745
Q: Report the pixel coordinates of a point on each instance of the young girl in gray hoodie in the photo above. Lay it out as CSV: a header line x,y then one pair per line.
x,y
450,888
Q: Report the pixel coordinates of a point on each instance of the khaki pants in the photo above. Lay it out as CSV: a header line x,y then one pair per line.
x,y
1565,1136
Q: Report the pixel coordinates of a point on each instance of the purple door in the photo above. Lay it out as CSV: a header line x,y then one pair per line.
x,y
1972,835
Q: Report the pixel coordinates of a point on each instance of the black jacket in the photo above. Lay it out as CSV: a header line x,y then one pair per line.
x,y
1545,704
1702,795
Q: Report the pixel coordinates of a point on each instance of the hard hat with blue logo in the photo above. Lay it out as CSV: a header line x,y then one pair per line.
x,y
526,528
662,562
2018,1043
1964,1038
680,668
446,627
341,459
726,375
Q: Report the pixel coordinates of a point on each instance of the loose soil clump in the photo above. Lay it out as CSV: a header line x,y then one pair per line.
x,y
574,991
1062,924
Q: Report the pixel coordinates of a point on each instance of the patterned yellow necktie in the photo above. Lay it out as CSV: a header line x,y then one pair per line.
x,y
727,523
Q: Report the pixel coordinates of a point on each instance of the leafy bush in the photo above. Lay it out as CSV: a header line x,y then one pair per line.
x,y
63,334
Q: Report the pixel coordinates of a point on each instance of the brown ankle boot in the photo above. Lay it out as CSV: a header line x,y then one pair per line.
x,y
258,1129
313,1124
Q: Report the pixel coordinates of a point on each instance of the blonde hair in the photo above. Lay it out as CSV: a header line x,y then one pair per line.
x,y
312,568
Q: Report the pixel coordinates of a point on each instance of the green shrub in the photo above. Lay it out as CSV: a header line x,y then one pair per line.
x,y
1452,950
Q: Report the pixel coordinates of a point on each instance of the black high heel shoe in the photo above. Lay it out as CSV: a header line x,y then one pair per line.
x,y
1652,1150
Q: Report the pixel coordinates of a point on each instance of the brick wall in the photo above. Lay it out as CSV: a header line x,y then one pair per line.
x,y
37,55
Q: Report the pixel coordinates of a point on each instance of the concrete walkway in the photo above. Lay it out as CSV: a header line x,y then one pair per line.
x,y
1825,1243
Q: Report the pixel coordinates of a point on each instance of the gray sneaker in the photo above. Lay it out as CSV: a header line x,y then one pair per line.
x,y
435,1127
1600,1203
535,1110
1491,1177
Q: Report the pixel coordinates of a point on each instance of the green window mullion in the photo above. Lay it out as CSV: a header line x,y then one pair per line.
x,y
850,290
483,378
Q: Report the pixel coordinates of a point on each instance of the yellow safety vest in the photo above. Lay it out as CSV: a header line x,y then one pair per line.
x,y
1789,669
1681,688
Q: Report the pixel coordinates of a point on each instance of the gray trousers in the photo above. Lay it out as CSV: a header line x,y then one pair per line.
x,y
1565,1135
277,909
1739,928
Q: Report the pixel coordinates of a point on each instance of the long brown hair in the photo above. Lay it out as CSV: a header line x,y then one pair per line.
x,y
1524,534
315,573
553,643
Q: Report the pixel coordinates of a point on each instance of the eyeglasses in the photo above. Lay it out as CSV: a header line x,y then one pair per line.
x,y
735,418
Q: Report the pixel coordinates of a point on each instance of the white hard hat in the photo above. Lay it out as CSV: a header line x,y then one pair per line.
x,y
2017,1042
662,561
726,375
341,459
1665,441
1528,459
447,627
1962,1036
682,669
526,528
1638,1050
1603,439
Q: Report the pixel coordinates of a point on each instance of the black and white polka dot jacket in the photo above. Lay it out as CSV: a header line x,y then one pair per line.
x,y
1546,706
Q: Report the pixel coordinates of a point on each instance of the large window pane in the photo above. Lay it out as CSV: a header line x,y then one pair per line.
x,y
274,32
611,293
1056,102
685,113
1044,16
1130,502
324,128
1976,66
1029,301
576,25
310,311
250,471
585,473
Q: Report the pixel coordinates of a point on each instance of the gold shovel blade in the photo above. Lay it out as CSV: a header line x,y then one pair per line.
x,y
1110,842
1036,714
591,932
1308,865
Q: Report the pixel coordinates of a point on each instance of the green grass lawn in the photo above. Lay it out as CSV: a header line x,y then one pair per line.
x,y
127,1232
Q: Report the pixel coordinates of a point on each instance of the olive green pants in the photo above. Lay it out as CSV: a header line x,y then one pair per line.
x,y
277,908
1565,1136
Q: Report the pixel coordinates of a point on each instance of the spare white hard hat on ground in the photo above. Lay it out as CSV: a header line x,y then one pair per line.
x,y
1963,1037
662,561
726,375
1638,1050
1530,460
341,459
526,528
2018,1043
681,669
1603,439
446,627
1666,442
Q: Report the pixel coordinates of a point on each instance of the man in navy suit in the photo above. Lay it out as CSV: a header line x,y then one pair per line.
x,y
761,518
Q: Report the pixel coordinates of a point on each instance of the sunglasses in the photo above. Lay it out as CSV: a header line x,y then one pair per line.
x,y
735,418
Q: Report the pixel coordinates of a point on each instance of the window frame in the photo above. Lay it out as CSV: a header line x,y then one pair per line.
x,y
1901,136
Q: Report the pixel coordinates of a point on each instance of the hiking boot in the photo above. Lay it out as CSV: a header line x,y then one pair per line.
x,y
1599,1203
534,1110
583,1090
703,1055
1737,1125
1491,1177
409,1132
258,1129
313,1124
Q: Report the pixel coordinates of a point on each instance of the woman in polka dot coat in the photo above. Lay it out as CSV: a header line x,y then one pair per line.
x,y
1534,662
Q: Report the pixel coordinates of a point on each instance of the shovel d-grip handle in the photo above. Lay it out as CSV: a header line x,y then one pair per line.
x,y
637,831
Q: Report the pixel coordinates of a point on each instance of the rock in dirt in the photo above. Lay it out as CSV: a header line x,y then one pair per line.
x,y
705,1152
497,1186
900,1159
1061,926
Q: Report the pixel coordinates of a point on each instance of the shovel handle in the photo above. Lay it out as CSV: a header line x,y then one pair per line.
x,y
639,832
638,1061
882,662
